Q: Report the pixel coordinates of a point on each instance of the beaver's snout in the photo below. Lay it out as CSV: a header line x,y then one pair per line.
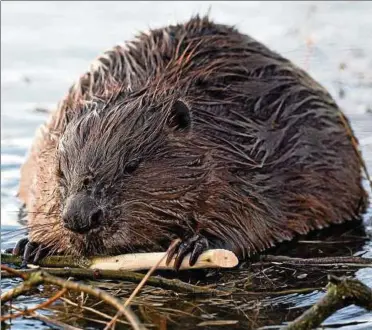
x,y
81,213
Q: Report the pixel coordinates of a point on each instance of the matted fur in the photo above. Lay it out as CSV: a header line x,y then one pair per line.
x,y
267,155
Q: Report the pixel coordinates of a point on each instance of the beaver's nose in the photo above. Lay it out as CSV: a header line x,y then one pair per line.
x,y
81,214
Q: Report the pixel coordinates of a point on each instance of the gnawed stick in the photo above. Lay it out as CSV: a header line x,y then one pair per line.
x,y
215,258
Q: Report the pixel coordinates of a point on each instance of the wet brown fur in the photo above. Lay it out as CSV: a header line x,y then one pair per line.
x,y
267,155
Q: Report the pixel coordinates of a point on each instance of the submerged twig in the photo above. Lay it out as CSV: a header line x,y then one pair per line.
x,y
13,272
27,285
47,303
326,261
147,276
131,317
47,320
41,276
92,310
90,274
142,283
341,292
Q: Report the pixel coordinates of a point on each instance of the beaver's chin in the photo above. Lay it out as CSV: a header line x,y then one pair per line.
x,y
98,241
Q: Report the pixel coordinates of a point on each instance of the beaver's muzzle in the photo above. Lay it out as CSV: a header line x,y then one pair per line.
x,y
81,213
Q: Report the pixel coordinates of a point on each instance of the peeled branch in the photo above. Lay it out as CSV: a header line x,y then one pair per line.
x,y
216,258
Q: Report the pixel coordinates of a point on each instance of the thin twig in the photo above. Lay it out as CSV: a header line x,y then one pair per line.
x,y
90,309
340,261
142,283
100,294
112,322
27,285
151,270
40,306
47,320
36,278
14,272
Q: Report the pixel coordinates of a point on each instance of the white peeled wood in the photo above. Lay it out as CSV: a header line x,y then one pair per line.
x,y
216,258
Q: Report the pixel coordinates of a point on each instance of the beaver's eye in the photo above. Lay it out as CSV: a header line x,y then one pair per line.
x,y
131,166
86,182
59,173
180,117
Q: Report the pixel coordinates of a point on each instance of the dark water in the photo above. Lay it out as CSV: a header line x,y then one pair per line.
x,y
46,45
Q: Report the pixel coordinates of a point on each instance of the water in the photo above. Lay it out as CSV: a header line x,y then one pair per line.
x,y
46,45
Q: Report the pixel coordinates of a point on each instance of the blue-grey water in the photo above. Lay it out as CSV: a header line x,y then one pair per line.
x,y
46,45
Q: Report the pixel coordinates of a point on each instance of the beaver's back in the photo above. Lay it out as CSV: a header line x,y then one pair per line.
x,y
279,134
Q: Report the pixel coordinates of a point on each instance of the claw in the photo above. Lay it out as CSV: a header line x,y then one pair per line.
x,y
20,247
171,252
41,252
183,250
31,252
200,246
196,244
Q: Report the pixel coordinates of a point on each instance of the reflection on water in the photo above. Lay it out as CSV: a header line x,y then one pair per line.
x,y
46,45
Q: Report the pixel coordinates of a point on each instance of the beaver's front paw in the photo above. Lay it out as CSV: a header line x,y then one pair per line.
x,y
196,244
31,252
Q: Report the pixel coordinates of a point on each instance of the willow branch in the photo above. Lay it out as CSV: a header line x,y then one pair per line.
x,y
47,320
36,278
91,274
341,292
90,309
26,286
13,272
40,306
100,294
153,268
142,283
327,261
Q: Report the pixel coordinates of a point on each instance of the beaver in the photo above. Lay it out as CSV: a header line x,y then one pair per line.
x,y
192,131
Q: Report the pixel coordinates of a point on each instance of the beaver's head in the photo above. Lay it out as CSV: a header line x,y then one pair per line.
x,y
130,175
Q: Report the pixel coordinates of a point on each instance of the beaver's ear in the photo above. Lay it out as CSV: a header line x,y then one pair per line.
x,y
180,117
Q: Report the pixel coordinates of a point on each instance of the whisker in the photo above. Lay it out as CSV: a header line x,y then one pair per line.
x,y
24,229
31,227
13,236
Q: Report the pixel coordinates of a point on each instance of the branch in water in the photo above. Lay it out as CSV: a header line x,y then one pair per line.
x,y
45,304
326,261
27,285
36,278
95,274
48,320
341,292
